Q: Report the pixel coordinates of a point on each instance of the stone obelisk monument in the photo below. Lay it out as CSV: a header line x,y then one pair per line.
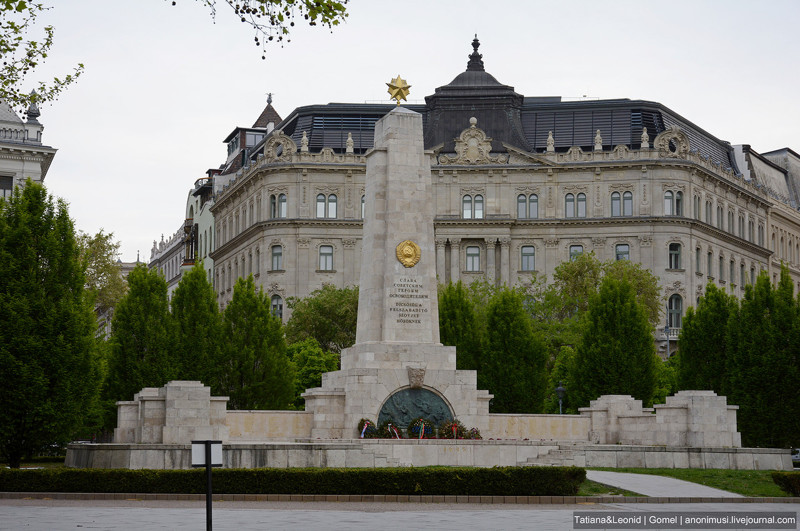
x,y
397,370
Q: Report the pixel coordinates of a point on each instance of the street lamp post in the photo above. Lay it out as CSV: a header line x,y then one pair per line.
x,y
560,392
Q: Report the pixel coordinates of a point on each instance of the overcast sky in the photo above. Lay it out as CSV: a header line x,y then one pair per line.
x,y
164,85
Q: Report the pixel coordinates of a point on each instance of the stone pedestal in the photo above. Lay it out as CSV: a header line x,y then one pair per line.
x,y
177,413
397,339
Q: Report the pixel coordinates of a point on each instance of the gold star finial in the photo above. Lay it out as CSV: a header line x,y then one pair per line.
x,y
398,89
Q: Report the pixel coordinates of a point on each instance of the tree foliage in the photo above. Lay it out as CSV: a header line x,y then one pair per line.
x,y
329,315
703,343
616,354
512,366
272,20
100,255
256,372
21,55
459,325
198,329
48,361
142,337
310,362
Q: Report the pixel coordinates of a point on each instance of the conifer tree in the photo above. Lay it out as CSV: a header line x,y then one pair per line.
x,y
703,343
616,354
459,326
48,362
142,337
513,363
198,328
256,372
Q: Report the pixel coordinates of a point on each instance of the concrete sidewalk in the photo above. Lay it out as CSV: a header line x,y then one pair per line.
x,y
650,485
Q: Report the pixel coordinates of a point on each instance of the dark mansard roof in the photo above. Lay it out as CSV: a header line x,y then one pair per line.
x,y
506,116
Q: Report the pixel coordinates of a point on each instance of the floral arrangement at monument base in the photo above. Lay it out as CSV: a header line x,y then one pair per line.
x,y
389,430
420,429
452,429
367,429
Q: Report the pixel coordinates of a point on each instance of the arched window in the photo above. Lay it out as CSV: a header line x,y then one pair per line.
x,y
669,203
527,207
277,258
616,205
623,251
276,306
522,206
697,207
742,276
751,232
698,260
731,225
473,258
675,311
720,220
533,206
527,258
478,207
326,258
363,205
320,205
741,227
678,203
732,273
627,204
569,206
575,251
721,268
282,206
332,206
761,235
674,256
710,264
258,262
466,207
273,207
581,205
708,212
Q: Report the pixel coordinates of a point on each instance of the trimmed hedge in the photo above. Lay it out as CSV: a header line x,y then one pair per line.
x,y
789,482
497,481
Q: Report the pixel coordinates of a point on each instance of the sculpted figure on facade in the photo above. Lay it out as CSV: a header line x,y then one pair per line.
x,y
279,147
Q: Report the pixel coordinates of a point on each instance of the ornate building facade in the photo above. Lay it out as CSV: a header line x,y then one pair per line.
x,y
22,154
520,184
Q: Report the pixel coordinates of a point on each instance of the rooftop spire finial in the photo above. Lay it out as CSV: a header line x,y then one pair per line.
x,y
269,98
475,59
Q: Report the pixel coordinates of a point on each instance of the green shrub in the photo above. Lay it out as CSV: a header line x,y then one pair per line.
x,y
789,482
497,481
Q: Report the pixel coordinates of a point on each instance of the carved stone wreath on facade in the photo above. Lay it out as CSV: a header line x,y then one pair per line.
x,y
279,147
473,147
672,143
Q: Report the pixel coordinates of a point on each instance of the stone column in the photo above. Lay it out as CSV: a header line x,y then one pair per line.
x,y
505,260
455,260
441,273
491,276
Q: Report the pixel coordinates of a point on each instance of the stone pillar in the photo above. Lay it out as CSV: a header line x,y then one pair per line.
x,y
441,273
397,299
491,276
455,260
505,260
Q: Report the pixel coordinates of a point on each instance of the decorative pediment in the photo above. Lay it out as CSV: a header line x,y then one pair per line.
x,y
473,147
518,156
279,147
672,143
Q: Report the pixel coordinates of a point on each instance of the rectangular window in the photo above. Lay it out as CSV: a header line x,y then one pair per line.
x,y
575,251
325,258
623,251
473,258
721,269
6,185
528,258
674,256
710,265
698,260
277,258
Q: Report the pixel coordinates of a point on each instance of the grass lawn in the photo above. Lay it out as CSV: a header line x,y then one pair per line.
x,y
745,482
592,488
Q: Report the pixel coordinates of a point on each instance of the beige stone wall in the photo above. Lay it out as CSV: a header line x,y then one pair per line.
x,y
244,426
542,427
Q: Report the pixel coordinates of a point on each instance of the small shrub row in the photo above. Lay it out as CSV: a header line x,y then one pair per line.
x,y
789,482
419,428
497,481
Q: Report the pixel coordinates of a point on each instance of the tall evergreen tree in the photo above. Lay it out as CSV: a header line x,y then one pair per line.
x,y
459,326
48,362
703,343
256,373
142,337
616,354
198,328
513,363
763,365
